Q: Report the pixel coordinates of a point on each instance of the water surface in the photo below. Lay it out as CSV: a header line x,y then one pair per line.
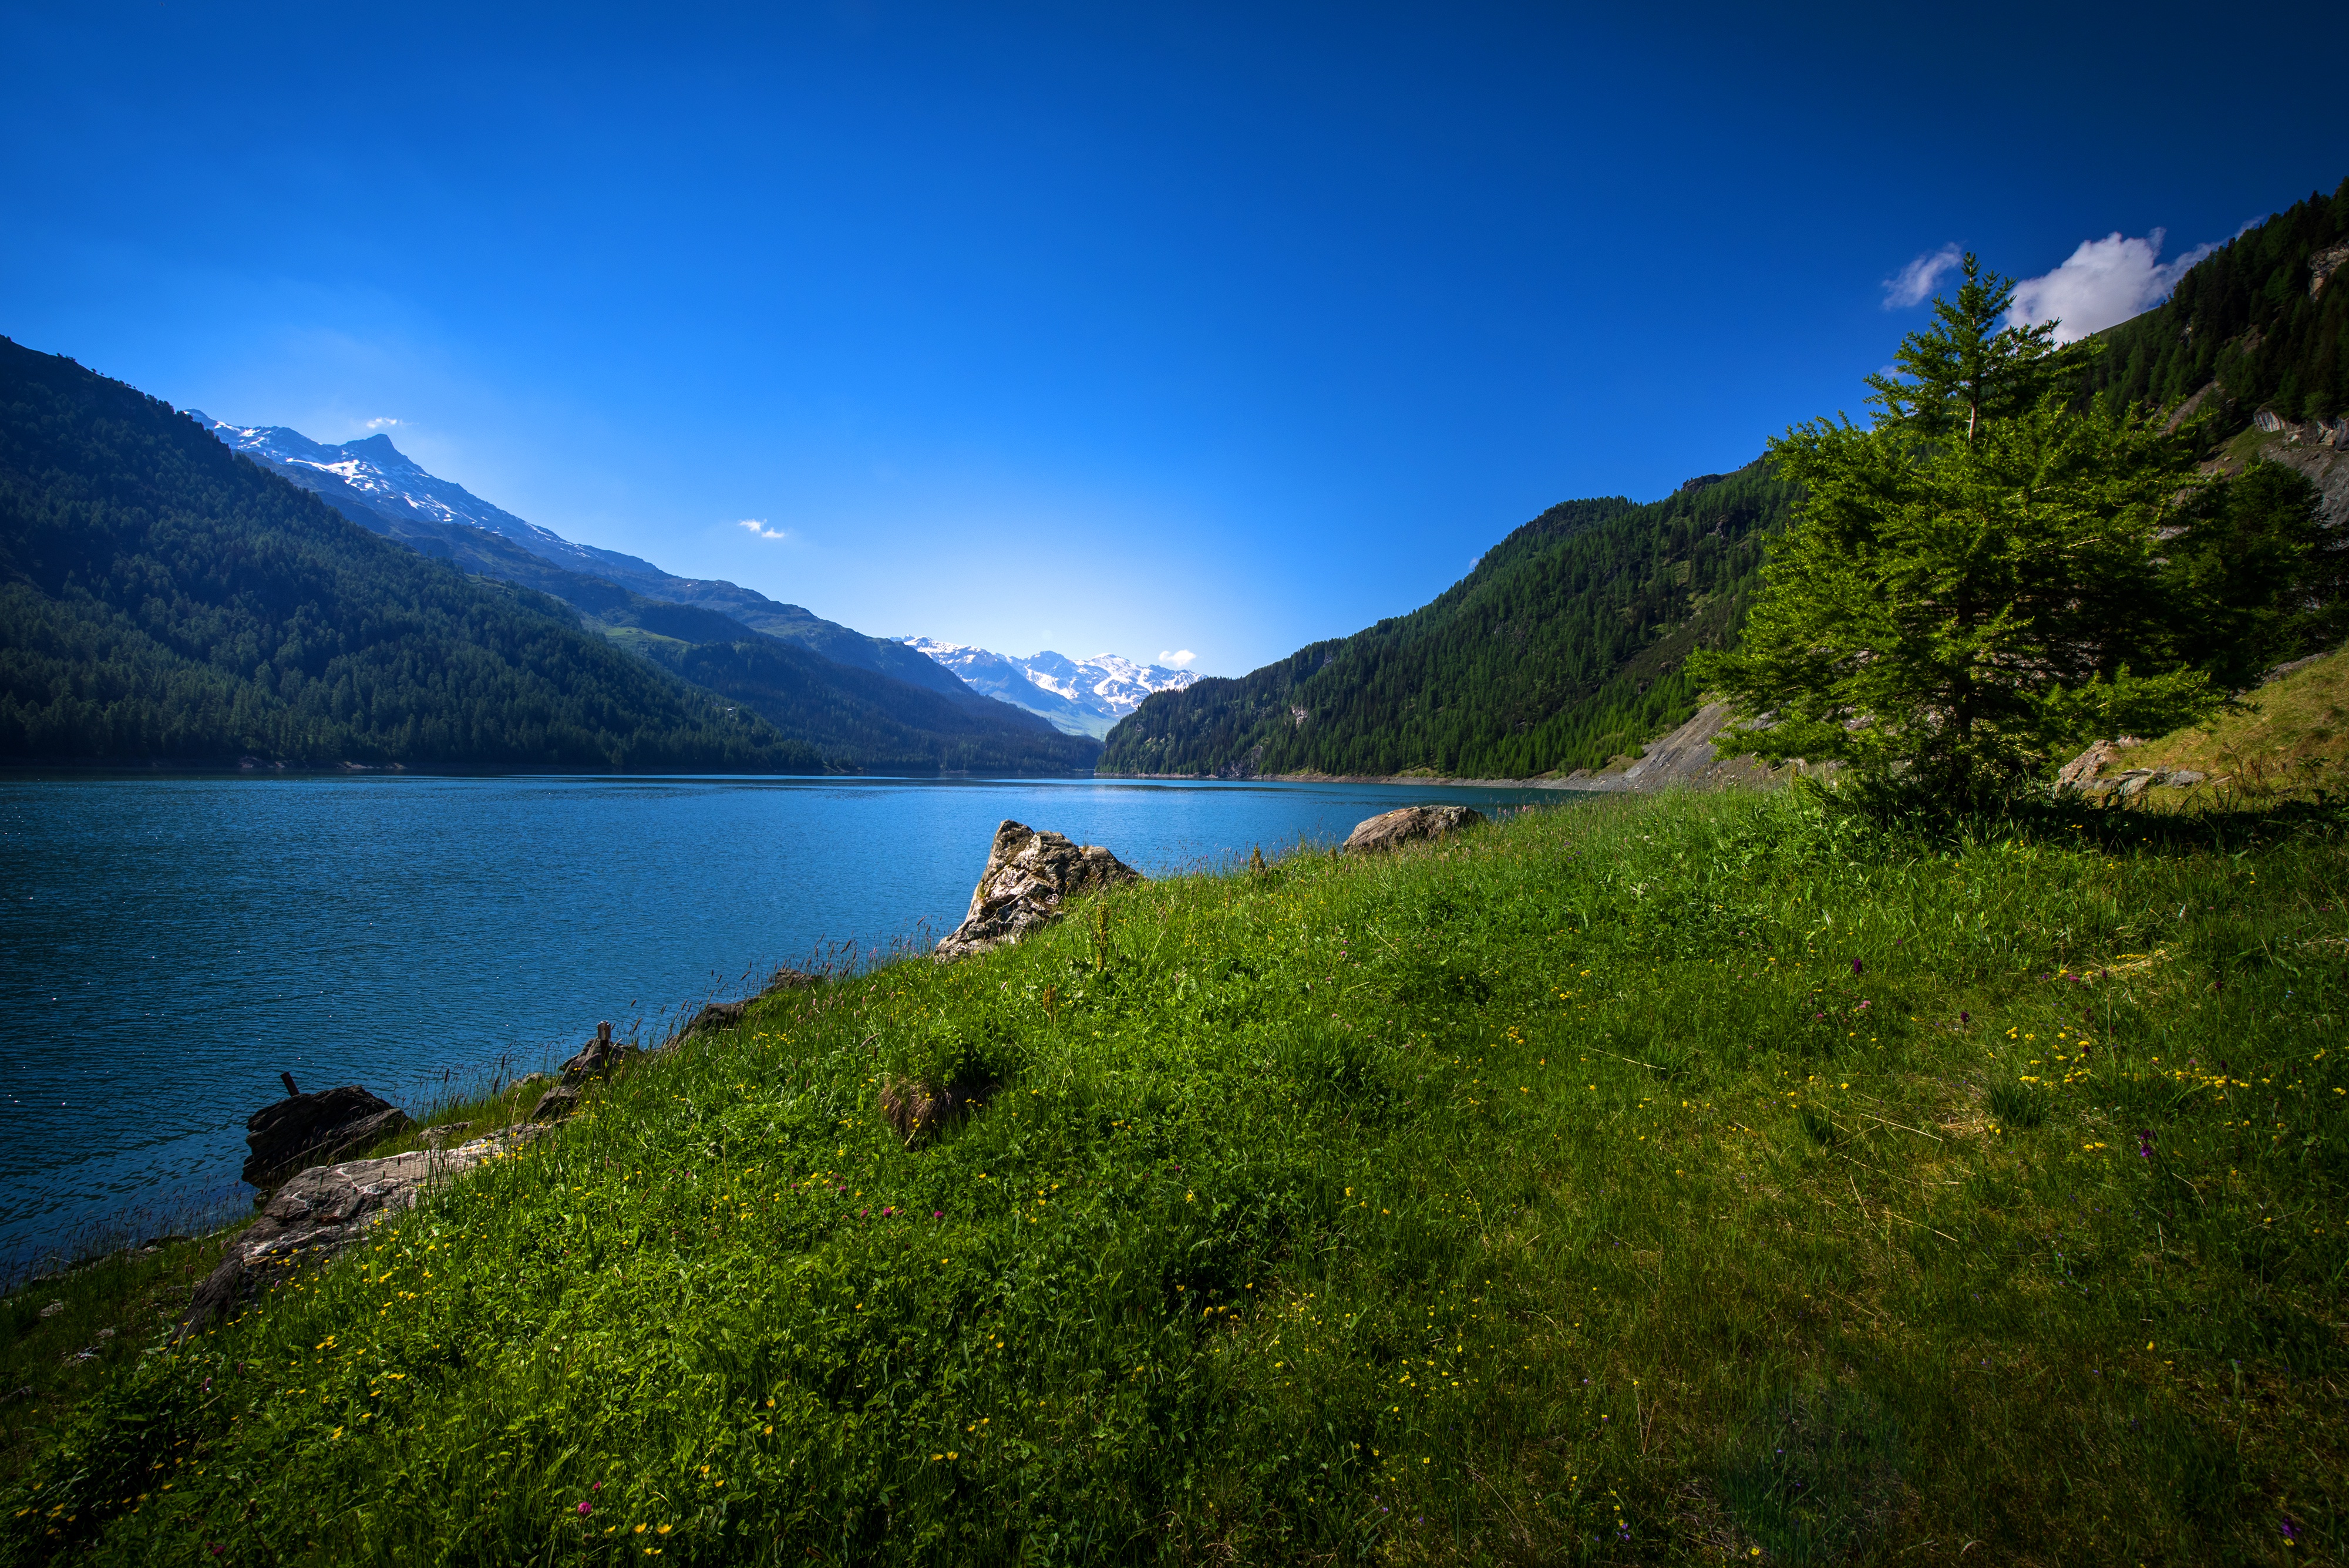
x,y
168,945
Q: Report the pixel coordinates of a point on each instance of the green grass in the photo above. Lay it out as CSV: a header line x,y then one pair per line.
x,y
1636,1181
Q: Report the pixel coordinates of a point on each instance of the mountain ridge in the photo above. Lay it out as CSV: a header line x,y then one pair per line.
x,y
378,486
1077,696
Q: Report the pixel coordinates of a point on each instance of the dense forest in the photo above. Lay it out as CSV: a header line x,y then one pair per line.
x,y
1562,648
165,601
2266,316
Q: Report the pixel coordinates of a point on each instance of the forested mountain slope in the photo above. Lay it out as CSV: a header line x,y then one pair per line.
x,y
163,599
378,487
1561,648
2266,316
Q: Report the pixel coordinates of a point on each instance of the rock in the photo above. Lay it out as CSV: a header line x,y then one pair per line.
x,y
1390,828
324,1208
309,1129
556,1104
1028,876
2080,773
716,1015
53,1309
442,1135
719,1015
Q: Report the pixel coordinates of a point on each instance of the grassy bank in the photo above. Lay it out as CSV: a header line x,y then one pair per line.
x,y
1643,1180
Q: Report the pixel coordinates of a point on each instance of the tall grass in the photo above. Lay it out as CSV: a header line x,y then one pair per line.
x,y
1719,1177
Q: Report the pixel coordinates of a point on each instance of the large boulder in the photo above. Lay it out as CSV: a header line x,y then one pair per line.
x,y
1390,828
1028,876
324,1209
310,1129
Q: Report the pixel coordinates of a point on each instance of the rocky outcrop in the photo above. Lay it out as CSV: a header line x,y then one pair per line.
x,y
1028,876
2082,770
719,1015
2084,774
324,1209
1390,828
600,1058
309,1129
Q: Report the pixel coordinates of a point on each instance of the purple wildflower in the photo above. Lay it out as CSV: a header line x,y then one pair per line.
x,y
1855,966
2144,1142
2290,1526
584,1510
1965,1018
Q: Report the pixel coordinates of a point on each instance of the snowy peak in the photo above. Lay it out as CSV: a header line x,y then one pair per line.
x,y
378,476
1078,696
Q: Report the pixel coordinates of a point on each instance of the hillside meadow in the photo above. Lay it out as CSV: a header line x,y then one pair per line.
x,y
1723,1177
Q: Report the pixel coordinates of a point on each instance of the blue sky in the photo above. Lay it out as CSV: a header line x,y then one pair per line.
x,y
1097,327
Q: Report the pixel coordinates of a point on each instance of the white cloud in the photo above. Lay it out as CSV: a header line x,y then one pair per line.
x,y
1914,285
2102,284
379,424
758,525
1178,659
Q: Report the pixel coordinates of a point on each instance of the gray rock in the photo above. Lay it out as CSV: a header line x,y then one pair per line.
x,y
444,1134
1028,876
1402,825
53,1309
309,1129
556,1104
324,1209
2081,772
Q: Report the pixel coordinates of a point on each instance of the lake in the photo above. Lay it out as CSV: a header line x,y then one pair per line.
x,y
168,946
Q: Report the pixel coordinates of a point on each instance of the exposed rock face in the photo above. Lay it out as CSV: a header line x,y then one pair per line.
x,y
2084,774
1028,876
1390,828
310,1129
600,1058
1685,757
323,1210
2082,770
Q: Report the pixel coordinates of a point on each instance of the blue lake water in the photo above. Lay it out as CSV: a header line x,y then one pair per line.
x,y
168,945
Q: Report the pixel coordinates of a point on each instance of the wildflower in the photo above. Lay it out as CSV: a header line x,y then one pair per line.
x,y
2144,1143
1965,1018
1855,966
584,1510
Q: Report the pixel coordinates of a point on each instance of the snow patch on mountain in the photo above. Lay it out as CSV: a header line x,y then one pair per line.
x,y
1077,696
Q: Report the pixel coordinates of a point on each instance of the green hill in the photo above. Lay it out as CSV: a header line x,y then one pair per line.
x,y
2266,316
165,601
1563,648
1710,1179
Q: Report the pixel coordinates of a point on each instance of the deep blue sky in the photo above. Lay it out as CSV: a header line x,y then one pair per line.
x,y
1100,328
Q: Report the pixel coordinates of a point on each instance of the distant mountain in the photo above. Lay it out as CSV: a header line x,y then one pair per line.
x,y
378,487
1078,696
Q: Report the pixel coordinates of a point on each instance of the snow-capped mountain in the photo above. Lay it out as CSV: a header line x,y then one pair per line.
x,y
379,487
1078,696
379,476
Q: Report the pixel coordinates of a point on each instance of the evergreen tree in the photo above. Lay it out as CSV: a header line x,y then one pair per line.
x,y
1973,585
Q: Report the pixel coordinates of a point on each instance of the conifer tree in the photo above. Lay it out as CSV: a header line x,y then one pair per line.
x,y
1972,586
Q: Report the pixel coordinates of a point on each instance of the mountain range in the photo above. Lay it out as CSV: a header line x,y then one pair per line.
x,y
1077,696
166,598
